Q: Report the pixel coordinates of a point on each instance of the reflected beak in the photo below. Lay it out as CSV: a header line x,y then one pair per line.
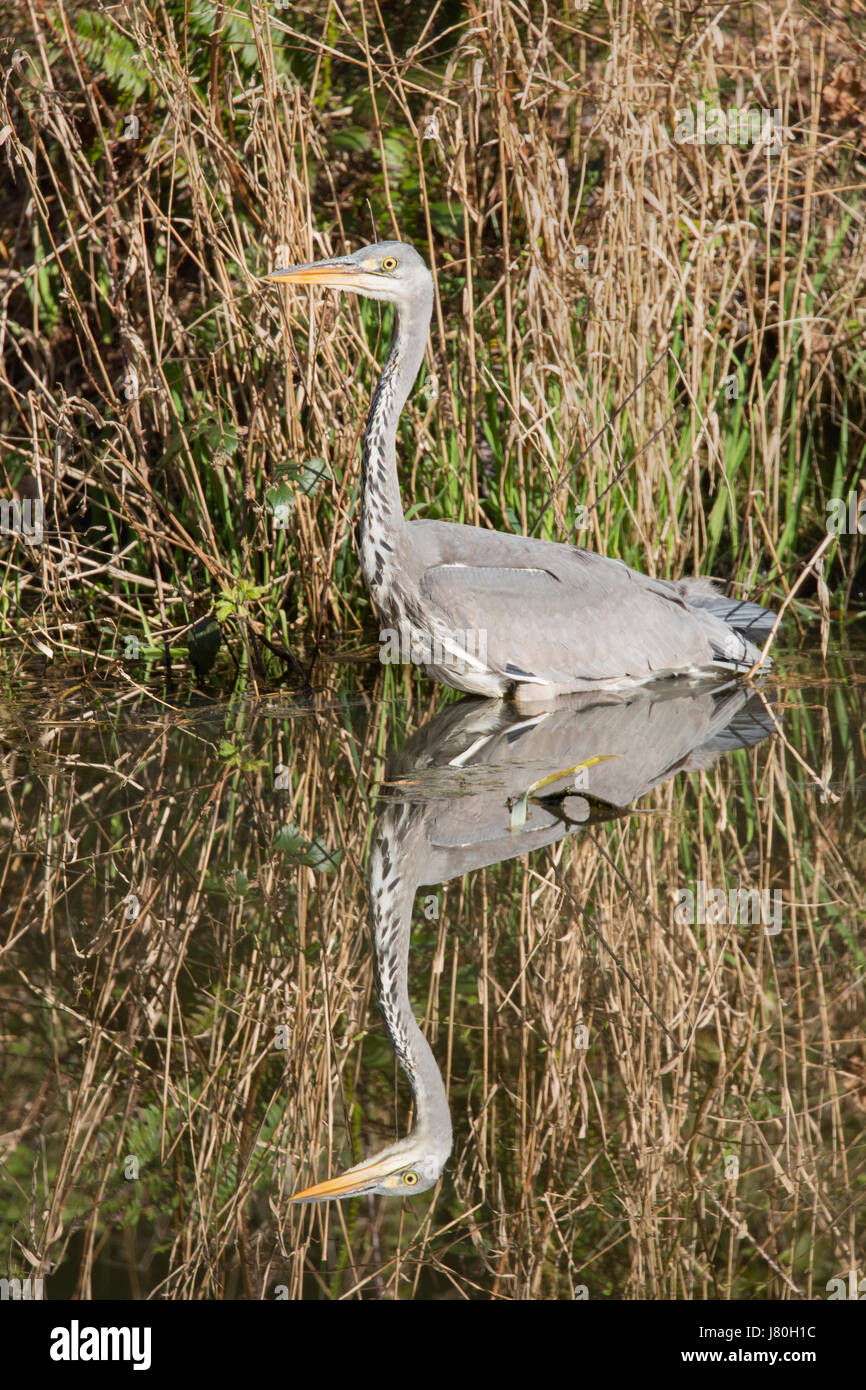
x,y
338,274
353,1183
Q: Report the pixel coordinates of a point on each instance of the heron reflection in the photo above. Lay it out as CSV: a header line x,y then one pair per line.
x,y
456,783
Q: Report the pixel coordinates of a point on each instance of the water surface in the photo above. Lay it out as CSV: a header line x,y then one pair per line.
x,y
642,983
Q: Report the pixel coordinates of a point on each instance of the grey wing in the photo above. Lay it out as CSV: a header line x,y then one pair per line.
x,y
577,615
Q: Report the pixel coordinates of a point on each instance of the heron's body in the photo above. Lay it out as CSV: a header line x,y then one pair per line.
x,y
499,614
554,618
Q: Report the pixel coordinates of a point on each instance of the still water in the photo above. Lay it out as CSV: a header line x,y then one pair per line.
x,y
632,933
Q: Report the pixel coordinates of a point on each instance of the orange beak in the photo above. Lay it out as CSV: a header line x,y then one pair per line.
x,y
341,273
353,1183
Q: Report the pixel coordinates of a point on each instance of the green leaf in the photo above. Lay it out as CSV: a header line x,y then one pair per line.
x,y
352,138
314,853
225,437
204,642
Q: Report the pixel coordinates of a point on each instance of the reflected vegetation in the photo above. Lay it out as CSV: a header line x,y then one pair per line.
x,y
646,1101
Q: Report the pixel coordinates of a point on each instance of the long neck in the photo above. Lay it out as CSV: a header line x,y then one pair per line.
x,y
392,887
381,508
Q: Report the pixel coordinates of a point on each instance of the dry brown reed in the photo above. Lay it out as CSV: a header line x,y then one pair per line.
x,y
154,387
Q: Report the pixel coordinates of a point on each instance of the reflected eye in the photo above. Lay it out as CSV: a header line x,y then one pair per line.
x,y
409,1179
390,263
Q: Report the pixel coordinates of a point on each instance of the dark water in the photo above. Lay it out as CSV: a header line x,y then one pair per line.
x,y
637,952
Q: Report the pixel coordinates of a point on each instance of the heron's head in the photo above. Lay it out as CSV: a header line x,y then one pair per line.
x,y
410,1166
388,270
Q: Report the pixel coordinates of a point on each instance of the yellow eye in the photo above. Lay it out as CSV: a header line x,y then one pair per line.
x,y
390,263
410,1179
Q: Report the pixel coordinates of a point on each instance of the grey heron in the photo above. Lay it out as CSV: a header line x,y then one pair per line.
x,y
449,814
495,613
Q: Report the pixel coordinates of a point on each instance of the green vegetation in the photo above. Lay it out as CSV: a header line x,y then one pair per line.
x,y
194,435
